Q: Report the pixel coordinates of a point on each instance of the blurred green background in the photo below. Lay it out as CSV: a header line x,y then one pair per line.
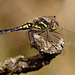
x,y
17,12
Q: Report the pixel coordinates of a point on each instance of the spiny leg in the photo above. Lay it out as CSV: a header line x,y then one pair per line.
x,y
48,37
41,32
56,37
32,34
57,32
29,36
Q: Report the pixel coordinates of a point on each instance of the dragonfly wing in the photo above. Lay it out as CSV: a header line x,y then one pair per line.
x,y
68,36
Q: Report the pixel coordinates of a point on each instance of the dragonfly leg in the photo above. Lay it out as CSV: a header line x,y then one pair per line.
x,y
48,37
54,35
57,32
41,32
32,34
29,36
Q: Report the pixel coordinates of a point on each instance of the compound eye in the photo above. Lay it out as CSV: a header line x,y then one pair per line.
x,y
54,25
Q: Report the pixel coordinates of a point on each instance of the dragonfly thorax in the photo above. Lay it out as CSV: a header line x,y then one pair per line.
x,y
46,23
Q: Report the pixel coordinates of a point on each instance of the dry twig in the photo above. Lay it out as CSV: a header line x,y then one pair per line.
x,y
19,64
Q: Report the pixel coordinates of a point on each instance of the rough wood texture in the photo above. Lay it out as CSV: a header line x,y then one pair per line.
x,y
19,64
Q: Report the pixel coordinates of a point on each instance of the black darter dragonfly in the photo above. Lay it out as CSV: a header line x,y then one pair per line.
x,y
48,27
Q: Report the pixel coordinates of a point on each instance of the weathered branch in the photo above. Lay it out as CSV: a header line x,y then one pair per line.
x,y
19,64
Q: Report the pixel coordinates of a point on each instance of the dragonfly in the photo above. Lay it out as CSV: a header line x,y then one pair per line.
x,y
46,26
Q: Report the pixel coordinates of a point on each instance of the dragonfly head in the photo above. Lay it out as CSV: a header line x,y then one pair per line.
x,y
54,25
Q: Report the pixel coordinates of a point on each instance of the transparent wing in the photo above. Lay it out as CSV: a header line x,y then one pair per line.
x,y
68,36
50,17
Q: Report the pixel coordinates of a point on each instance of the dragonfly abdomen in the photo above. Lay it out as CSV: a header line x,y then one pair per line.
x,y
22,27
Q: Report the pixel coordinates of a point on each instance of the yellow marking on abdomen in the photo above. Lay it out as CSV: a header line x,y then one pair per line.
x,y
27,26
24,26
21,27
